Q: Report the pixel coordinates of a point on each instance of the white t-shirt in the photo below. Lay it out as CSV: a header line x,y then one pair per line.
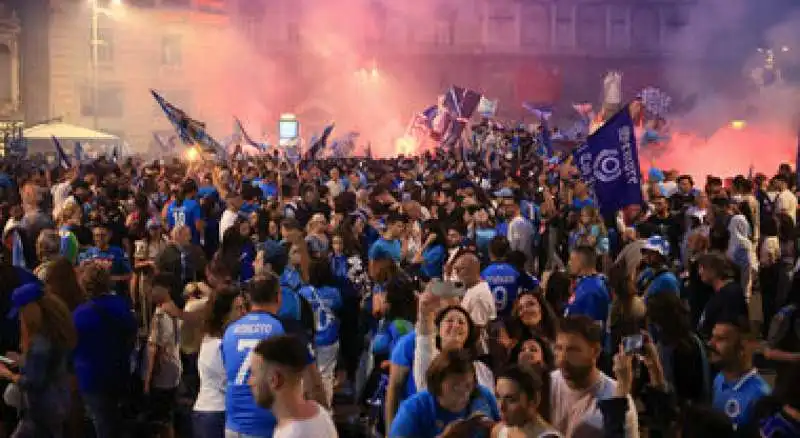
x,y
787,203
479,302
226,221
319,426
60,192
211,370
576,412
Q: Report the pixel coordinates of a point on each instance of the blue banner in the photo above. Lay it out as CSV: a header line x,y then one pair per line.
x,y
243,135
78,152
609,163
63,158
189,130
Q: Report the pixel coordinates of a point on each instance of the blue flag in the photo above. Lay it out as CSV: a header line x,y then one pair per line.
x,y
190,131
240,130
16,144
78,151
543,114
319,144
609,163
461,103
63,158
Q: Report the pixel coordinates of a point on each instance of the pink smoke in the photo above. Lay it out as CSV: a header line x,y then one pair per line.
x,y
728,151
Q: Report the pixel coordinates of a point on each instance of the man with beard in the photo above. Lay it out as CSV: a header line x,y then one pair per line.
x,y
448,209
244,418
276,379
738,386
577,386
665,224
656,277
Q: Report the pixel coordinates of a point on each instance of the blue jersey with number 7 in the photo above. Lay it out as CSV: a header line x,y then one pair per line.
x,y
242,414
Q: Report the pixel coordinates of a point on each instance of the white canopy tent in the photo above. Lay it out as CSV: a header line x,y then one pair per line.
x,y
65,131
39,139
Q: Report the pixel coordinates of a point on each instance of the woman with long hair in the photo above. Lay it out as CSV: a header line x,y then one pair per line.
x,y
42,379
627,313
62,281
532,314
681,351
348,271
223,307
769,259
326,301
432,254
448,329
48,247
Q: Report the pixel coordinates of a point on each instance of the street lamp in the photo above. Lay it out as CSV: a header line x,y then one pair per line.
x,y
95,44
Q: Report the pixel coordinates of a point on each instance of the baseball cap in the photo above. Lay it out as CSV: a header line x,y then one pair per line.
x,y
657,244
24,295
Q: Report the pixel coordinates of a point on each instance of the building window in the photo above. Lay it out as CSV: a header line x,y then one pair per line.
x,y
646,28
676,18
105,44
141,3
171,50
377,23
251,9
213,6
6,65
293,32
535,28
591,27
444,33
177,3
619,32
500,30
110,102
564,26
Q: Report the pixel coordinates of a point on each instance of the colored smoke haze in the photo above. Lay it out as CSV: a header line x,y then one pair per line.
x,y
703,140
727,152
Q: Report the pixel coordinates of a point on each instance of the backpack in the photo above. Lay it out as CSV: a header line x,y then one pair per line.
x,y
784,330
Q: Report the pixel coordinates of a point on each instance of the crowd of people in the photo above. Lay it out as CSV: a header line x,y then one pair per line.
x,y
430,296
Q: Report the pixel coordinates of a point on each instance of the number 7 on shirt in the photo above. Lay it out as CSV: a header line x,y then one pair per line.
x,y
244,369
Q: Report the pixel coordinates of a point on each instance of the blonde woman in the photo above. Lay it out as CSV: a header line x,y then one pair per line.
x,y
40,376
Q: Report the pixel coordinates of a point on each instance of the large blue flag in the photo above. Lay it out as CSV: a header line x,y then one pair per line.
x,y
609,163
190,131
78,152
63,158
319,144
461,104
240,131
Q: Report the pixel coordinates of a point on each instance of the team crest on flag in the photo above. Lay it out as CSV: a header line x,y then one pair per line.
x,y
609,163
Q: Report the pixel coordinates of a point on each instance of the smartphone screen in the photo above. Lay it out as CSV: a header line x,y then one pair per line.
x,y
632,344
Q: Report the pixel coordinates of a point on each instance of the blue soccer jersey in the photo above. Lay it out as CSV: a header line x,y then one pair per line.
x,y
737,398
505,282
242,414
188,213
326,302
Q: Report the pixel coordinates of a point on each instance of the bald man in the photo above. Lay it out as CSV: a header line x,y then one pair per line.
x,y
478,299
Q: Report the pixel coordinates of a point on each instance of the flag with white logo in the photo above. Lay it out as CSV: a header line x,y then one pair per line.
x,y
609,163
